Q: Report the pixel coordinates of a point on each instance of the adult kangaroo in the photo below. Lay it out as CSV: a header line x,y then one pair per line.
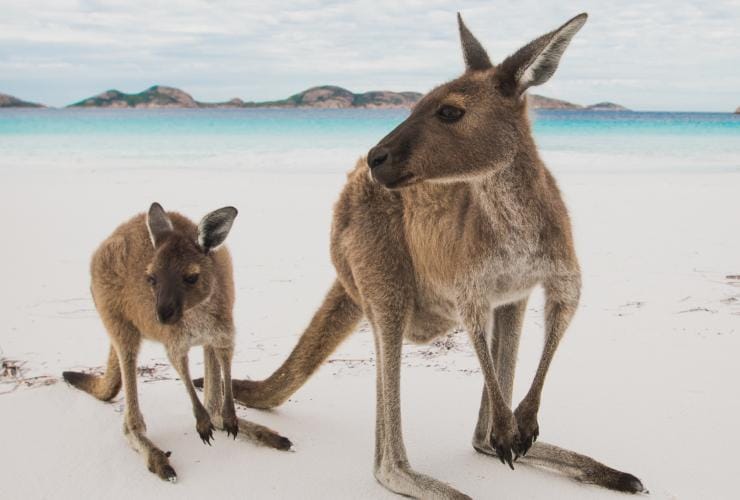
x,y
453,218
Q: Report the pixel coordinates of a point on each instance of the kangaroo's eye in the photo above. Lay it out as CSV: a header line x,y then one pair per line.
x,y
449,113
151,279
191,279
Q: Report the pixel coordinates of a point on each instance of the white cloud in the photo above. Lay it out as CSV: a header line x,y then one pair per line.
x,y
646,54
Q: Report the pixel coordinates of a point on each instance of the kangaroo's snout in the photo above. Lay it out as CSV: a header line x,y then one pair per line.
x,y
377,156
169,314
384,171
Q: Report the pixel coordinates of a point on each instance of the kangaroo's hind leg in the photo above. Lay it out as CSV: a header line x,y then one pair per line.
x,y
126,341
392,468
508,321
214,400
179,359
507,329
212,386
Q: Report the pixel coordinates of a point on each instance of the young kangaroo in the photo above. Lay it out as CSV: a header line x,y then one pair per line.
x,y
161,277
453,218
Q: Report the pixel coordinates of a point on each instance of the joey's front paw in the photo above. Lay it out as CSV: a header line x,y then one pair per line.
x,y
505,438
529,428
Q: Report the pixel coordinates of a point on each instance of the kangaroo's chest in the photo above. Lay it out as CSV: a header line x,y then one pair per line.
x,y
202,329
502,256
196,328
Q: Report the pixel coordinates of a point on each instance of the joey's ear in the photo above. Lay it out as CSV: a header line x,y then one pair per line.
x,y
214,228
158,223
537,61
474,54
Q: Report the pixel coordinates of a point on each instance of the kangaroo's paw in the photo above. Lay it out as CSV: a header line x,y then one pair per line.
x,y
529,429
205,429
231,425
505,439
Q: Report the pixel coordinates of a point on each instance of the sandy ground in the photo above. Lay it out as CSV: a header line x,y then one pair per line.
x,y
645,379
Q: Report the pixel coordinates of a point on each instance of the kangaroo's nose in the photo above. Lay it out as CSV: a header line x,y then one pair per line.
x,y
165,314
377,156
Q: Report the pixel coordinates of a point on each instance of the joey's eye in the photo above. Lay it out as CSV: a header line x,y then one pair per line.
x,y
191,279
151,279
449,113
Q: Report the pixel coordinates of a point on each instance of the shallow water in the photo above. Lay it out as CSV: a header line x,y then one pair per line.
x,y
322,140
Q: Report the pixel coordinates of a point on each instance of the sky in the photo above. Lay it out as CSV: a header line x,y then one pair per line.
x,y
645,54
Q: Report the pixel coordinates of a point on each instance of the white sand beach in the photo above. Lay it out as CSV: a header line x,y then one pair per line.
x,y
645,379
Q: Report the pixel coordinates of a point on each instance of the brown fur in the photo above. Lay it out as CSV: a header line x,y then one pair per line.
x,y
152,279
456,220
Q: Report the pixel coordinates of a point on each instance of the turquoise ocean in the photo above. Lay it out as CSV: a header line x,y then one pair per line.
x,y
308,140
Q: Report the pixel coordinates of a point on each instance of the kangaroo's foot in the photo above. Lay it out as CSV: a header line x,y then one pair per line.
x,y
229,421
204,426
529,429
572,465
405,481
256,433
158,463
231,425
505,438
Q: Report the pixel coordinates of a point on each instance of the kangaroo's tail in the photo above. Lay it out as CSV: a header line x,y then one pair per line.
x,y
104,387
333,322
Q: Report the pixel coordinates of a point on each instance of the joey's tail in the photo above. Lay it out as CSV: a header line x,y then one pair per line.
x,y
333,322
104,387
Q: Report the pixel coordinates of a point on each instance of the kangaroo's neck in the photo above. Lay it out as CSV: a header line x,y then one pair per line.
x,y
505,195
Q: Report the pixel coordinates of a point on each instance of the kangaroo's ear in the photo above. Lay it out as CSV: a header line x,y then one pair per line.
x,y
537,61
214,228
158,223
474,54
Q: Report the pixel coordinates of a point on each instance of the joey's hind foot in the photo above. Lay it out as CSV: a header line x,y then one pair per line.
x,y
529,429
160,465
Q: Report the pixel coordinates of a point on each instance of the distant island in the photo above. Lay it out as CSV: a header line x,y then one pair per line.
x,y
153,97
737,111
541,102
326,96
8,101
317,97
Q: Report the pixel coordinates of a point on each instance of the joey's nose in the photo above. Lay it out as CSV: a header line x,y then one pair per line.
x,y
377,156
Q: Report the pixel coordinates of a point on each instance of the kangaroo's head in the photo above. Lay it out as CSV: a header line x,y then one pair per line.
x,y
474,125
182,272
